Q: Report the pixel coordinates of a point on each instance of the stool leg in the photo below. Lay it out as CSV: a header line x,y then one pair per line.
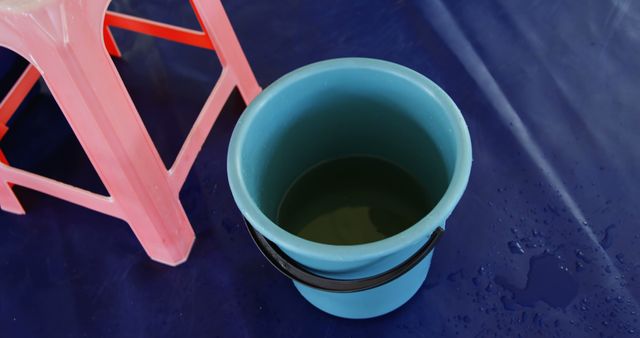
x,y
99,110
8,200
215,23
110,43
90,92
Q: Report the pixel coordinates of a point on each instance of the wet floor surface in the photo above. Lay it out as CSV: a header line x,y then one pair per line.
x,y
543,243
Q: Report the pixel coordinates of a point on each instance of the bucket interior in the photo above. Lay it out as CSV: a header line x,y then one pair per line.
x,y
347,112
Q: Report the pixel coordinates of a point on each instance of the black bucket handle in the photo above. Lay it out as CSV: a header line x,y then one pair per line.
x,y
290,268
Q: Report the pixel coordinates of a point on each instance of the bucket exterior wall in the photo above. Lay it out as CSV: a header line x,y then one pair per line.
x,y
373,302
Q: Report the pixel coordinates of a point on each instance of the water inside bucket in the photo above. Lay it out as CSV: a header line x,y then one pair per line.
x,y
353,200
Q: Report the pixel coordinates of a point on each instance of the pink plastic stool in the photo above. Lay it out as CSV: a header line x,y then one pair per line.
x,y
67,41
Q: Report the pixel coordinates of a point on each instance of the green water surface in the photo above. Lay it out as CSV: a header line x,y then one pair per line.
x,y
353,200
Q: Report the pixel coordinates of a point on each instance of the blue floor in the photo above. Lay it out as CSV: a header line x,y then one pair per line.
x,y
543,244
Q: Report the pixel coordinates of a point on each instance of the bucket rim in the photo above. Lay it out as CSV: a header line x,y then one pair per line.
x,y
328,252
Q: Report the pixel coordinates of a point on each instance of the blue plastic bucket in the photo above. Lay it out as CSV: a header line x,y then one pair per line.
x,y
333,109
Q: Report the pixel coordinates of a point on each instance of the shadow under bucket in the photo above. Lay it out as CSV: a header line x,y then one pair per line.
x,y
340,109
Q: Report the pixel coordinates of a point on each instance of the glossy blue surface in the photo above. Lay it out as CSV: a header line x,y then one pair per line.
x,y
544,242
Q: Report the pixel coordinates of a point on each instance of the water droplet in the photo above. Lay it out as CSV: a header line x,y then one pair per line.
x,y
619,299
476,281
537,320
605,323
508,303
481,270
620,258
516,248
543,271
213,188
489,287
605,242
